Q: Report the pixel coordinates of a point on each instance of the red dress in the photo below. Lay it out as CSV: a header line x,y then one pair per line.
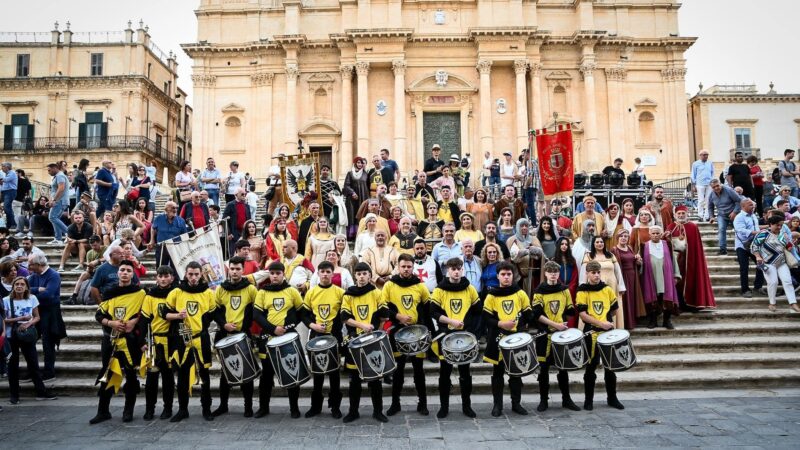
x,y
633,305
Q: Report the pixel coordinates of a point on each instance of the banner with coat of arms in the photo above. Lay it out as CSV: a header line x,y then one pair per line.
x,y
201,245
300,175
556,166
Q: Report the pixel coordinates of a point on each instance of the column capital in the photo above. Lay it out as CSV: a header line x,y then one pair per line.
x,y
292,71
362,68
399,67
617,73
536,68
204,80
587,69
484,66
262,79
520,66
347,71
673,74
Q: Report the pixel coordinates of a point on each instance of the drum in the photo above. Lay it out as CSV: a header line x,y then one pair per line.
x,y
460,347
413,340
372,355
236,356
616,350
323,354
569,349
519,354
288,360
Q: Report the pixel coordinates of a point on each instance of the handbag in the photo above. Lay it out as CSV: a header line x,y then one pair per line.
x,y
185,196
27,335
791,260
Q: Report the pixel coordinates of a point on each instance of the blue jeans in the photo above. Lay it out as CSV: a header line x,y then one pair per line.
x,y
213,194
55,218
8,197
723,222
529,197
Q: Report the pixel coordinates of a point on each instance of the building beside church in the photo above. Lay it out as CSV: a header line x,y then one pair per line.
x,y
724,119
351,77
68,95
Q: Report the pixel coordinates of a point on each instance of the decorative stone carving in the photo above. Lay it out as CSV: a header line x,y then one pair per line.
x,y
204,80
320,80
292,71
346,71
399,67
381,108
587,69
520,66
673,74
362,68
501,106
484,66
618,73
536,69
441,78
262,79
558,78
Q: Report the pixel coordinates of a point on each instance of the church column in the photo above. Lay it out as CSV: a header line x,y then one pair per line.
x,y
290,144
346,152
615,76
484,67
262,127
536,94
362,70
520,69
590,115
399,150
681,148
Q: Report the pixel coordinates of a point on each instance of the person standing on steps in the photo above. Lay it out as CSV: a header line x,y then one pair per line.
x,y
726,203
769,248
702,174
745,225
660,274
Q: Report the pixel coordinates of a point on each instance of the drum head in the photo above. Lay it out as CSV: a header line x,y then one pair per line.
x,y
229,340
412,333
516,340
366,339
459,341
322,343
567,336
613,337
280,340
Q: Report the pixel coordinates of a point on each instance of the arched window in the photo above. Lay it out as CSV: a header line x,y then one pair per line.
x,y
233,133
321,103
647,128
560,100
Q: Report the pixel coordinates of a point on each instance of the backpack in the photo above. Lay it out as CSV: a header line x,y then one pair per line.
x,y
776,175
85,293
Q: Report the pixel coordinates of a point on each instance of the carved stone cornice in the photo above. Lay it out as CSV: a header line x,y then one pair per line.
x,y
484,67
362,68
673,74
617,73
558,78
204,80
520,66
346,71
292,71
320,80
262,79
399,67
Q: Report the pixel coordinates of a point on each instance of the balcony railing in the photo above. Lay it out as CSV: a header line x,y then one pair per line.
x,y
42,145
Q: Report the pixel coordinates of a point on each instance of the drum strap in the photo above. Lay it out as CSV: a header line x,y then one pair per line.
x,y
161,334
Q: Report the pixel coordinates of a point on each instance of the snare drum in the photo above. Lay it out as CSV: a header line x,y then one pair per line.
x,y
460,347
236,357
413,340
372,355
616,350
519,354
323,354
288,360
569,349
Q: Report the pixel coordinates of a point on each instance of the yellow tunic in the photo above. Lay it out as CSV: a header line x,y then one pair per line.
x,y
324,303
196,305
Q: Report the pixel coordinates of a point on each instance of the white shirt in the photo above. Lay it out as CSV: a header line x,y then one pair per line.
x,y
252,202
508,170
21,252
182,177
21,308
656,249
235,181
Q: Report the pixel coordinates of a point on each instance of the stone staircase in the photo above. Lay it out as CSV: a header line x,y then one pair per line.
x,y
739,345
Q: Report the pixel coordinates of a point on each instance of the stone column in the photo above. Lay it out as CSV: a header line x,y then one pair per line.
x,y
484,67
262,133
346,153
290,144
362,70
615,77
681,149
520,69
536,94
590,116
399,151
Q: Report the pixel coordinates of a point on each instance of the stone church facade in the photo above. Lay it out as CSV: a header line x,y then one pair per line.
x,y
349,77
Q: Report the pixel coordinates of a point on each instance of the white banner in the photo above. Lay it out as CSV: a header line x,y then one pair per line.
x,y
200,245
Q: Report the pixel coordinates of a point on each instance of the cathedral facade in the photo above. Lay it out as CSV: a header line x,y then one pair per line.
x,y
350,77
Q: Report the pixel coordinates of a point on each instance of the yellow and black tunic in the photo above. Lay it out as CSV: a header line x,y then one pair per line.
x,y
458,301
234,304
154,302
600,302
321,306
123,303
276,305
363,304
502,304
409,297
555,303
198,301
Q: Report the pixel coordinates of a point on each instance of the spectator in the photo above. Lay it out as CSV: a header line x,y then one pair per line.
x,y
237,213
433,165
58,204
509,171
5,247
128,250
184,182
196,213
355,190
726,202
140,182
757,178
785,194
702,174
510,200
745,225
486,168
166,227
448,248
23,203
768,247
143,212
104,188
234,181
459,175
105,277
390,171
211,179
252,200
106,228
94,258
789,172
739,175
78,234
27,250
79,180
45,284
151,172
9,193
86,206
125,219
639,168
22,313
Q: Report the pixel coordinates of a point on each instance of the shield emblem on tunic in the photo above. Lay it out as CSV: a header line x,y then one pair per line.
x,y
290,364
279,302
523,360
597,307
234,365
553,306
322,361
236,301
324,311
624,354
192,307
576,355
455,305
119,312
508,306
362,310
407,300
376,361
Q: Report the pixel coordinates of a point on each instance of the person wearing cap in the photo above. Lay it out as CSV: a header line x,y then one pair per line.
x,y
509,171
433,165
589,213
458,173
87,207
702,173
233,181
563,223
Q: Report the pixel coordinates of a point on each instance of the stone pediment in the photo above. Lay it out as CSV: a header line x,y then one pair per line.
x,y
558,75
319,127
320,78
454,83
232,108
646,103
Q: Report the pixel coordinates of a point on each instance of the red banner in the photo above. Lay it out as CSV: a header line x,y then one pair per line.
x,y
556,168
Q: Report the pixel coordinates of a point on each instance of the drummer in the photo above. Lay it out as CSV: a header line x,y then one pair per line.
x,y
407,299
234,314
454,306
597,304
320,313
506,310
362,311
552,308
276,309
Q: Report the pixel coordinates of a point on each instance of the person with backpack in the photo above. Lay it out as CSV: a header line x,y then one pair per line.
x,y
789,172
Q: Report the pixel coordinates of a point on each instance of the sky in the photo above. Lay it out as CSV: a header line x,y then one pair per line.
x,y
740,41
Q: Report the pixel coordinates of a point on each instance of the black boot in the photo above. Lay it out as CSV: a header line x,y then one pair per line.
x,y
563,386
397,388
103,405
376,392
167,392
354,393
130,401
444,398
224,394
316,405
515,385
150,395
422,392
497,396
588,386
544,390
466,396
652,319
611,390
180,415
294,395
668,320
264,395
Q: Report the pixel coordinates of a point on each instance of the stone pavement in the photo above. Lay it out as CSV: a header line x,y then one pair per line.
x,y
722,419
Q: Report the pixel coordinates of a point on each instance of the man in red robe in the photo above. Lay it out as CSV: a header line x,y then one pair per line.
x,y
694,289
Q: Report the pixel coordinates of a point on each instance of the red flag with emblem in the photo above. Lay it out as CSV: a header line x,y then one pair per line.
x,y
556,168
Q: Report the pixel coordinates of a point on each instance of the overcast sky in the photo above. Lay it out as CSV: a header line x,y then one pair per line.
x,y
741,41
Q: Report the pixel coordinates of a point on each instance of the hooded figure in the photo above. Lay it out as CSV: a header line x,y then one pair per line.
x,y
526,252
584,244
